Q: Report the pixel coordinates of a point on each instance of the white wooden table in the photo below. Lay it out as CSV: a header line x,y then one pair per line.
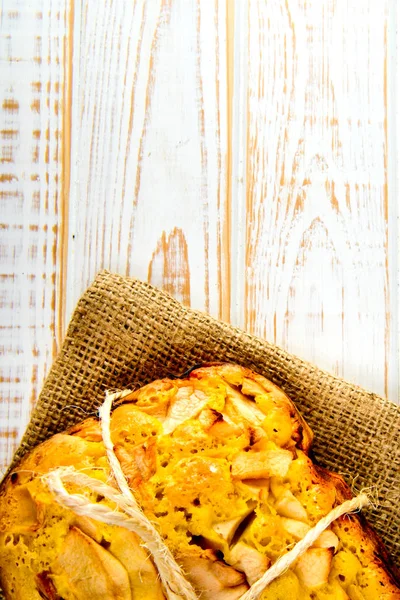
x,y
242,155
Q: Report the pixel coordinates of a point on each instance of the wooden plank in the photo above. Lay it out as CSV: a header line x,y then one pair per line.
x,y
32,60
393,182
318,278
148,172
241,155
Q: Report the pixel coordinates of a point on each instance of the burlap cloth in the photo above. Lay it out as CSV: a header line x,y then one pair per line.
x,y
125,333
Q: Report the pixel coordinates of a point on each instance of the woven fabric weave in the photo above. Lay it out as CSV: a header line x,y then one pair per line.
x,y
125,333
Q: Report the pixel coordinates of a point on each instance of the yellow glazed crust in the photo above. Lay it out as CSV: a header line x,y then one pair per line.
x,y
219,460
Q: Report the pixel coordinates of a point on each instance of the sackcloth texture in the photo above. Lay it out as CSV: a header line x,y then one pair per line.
x,y
125,333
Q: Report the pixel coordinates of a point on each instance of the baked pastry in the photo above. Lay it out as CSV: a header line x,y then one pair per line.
x,y
219,461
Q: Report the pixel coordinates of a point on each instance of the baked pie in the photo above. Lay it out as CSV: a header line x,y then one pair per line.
x,y
220,462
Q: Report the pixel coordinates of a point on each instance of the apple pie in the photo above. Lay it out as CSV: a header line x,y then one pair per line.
x,y
219,461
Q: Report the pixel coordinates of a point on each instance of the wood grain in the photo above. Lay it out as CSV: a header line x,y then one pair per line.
x,y
148,155
169,266
32,63
243,156
316,239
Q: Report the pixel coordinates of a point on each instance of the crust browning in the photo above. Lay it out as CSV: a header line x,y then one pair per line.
x,y
220,460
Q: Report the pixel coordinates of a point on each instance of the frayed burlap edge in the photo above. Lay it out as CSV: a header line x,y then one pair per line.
x,y
125,333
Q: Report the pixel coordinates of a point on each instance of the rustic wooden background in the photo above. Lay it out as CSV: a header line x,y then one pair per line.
x,y
240,154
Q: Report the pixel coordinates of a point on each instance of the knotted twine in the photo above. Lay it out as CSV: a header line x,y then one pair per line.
x,y
131,517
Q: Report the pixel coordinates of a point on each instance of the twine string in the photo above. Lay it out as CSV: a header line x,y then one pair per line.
x,y
105,422
130,516
284,562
